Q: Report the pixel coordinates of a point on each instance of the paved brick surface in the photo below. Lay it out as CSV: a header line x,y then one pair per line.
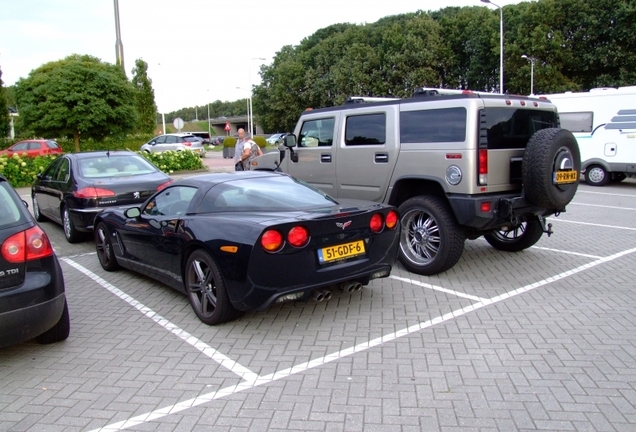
x,y
487,346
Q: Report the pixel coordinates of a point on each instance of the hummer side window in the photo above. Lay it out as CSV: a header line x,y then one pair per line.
x,y
316,133
366,129
433,126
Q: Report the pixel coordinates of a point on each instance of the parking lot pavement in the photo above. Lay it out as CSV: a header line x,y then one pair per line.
x,y
538,340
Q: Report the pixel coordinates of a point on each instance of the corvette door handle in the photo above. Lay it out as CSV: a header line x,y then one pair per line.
x,y
325,158
381,157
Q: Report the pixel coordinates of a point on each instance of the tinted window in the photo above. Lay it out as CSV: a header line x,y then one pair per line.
x,y
317,133
366,129
50,170
172,201
577,122
432,126
34,146
512,128
9,211
62,172
264,195
20,147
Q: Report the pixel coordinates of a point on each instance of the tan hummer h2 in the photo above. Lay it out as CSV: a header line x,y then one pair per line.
x,y
457,164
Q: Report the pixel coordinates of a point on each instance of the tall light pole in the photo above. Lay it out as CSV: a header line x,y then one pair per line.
x,y
119,46
501,51
209,126
249,107
531,60
251,115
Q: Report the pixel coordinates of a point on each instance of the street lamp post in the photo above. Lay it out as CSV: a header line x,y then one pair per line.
x,y
251,114
531,60
249,108
501,50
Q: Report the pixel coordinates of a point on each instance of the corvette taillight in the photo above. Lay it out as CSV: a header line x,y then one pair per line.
x,y
391,219
377,223
298,236
93,192
272,240
26,246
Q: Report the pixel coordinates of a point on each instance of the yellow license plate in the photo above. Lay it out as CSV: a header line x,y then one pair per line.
x,y
340,252
562,177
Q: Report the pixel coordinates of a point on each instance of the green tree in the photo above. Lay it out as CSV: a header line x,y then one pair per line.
x,y
4,110
77,96
144,97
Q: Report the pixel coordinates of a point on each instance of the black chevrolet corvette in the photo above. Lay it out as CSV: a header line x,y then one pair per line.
x,y
242,241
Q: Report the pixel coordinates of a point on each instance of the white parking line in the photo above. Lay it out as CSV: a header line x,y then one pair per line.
x,y
605,193
266,379
221,359
603,206
567,252
593,224
437,288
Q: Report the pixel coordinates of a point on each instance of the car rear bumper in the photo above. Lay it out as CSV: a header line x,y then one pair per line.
x,y
26,323
268,283
487,212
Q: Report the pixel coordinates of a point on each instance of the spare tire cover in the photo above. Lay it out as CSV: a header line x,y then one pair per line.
x,y
549,151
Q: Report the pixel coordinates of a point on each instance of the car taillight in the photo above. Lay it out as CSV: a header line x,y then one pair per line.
x,y
187,144
483,167
272,240
298,236
93,192
391,219
164,185
26,246
377,223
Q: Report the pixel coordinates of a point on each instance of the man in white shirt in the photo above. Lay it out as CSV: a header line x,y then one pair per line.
x,y
238,149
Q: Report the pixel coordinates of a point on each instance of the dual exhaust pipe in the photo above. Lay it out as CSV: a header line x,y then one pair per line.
x,y
350,286
320,295
324,294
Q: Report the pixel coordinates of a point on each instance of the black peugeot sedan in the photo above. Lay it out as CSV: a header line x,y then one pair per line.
x,y
32,297
77,186
242,241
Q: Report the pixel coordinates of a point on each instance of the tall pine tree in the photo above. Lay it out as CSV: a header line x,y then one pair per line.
x,y
144,97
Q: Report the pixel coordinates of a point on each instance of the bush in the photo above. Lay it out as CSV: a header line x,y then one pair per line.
x,y
22,171
171,161
231,141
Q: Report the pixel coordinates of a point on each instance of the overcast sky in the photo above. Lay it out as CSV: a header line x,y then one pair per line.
x,y
197,51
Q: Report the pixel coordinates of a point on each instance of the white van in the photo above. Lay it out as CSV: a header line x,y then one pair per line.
x,y
603,121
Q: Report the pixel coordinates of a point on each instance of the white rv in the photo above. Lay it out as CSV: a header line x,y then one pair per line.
x,y
603,121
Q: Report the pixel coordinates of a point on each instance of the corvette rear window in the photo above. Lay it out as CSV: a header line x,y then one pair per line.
x,y
264,195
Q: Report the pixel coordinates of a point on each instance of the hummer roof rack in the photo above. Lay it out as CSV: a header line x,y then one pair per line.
x,y
366,99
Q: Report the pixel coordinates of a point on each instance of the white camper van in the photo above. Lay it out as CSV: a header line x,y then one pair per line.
x,y
603,121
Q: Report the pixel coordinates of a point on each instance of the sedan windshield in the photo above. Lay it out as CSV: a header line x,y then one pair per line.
x,y
264,194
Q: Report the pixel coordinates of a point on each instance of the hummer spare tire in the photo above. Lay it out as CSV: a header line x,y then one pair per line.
x,y
551,167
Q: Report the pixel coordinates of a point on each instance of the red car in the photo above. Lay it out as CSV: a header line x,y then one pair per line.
x,y
33,148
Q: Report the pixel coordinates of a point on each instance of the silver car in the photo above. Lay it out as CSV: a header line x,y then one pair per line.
x,y
176,142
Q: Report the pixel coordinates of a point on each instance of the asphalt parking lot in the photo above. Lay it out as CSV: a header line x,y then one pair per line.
x,y
538,340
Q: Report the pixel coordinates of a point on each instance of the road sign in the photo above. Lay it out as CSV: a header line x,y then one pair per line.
x,y
227,126
178,124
